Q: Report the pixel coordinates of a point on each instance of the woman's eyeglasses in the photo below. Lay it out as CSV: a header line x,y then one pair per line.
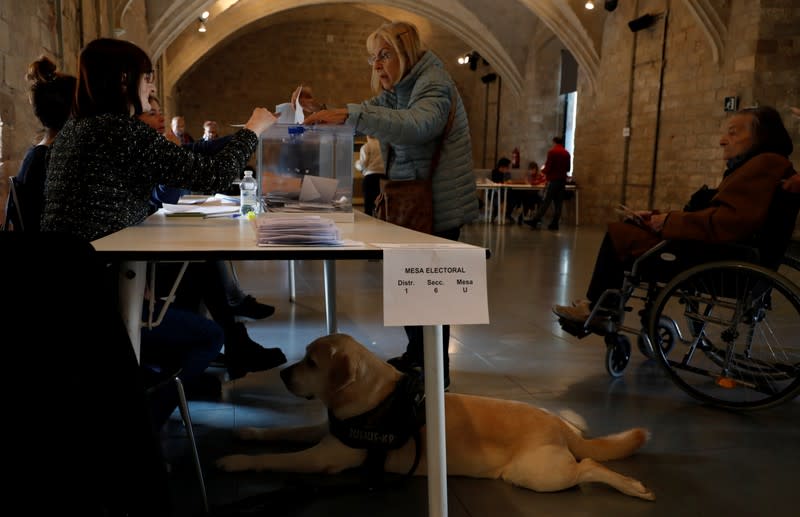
x,y
150,77
382,57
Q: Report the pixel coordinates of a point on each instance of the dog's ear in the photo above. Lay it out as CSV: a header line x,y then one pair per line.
x,y
342,372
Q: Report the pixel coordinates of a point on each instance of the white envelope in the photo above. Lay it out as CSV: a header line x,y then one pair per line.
x,y
285,113
318,189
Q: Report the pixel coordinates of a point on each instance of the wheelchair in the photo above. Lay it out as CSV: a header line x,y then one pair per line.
x,y
720,319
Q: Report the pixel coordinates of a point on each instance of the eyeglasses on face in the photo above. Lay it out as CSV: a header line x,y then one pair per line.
x,y
383,56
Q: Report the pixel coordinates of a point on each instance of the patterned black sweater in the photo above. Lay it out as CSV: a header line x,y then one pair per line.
x,y
102,171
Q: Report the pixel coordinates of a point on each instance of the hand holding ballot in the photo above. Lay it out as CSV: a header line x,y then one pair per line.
x,y
650,220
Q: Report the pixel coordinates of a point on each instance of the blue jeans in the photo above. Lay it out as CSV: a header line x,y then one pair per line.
x,y
554,192
184,339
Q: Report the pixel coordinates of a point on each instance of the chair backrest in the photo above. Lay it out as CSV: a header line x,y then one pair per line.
x,y
61,331
772,240
13,219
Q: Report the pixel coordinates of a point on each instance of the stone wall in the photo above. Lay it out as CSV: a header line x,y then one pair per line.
x,y
675,123
755,65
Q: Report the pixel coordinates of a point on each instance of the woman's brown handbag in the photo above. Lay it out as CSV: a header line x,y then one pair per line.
x,y
406,203
409,203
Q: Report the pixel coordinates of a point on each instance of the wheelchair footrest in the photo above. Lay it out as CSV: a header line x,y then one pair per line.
x,y
573,328
599,325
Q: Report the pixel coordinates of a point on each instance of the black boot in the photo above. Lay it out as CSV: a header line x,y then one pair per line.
x,y
243,355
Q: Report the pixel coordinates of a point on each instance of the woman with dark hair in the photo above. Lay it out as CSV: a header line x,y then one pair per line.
x,y
756,147
105,163
51,95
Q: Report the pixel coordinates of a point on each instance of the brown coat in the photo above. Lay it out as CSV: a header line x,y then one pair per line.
x,y
737,210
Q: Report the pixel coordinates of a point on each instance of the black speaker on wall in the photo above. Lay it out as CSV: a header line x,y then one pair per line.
x,y
642,22
610,5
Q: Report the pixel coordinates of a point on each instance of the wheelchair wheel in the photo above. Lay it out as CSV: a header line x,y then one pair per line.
x,y
618,354
667,335
735,326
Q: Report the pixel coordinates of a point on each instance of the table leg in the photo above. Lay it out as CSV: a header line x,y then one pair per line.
x,y
434,421
501,206
292,285
577,206
330,295
132,280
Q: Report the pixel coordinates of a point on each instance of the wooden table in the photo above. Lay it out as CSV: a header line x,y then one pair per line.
x,y
160,238
492,190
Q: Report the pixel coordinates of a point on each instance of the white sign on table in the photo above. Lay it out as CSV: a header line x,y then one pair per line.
x,y
434,286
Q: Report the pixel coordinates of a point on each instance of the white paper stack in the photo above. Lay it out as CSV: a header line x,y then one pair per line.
x,y
308,230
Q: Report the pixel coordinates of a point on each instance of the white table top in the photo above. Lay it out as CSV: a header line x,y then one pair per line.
x,y
188,238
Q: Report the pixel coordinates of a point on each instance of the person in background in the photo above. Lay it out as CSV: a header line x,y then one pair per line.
x,y
210,131
222,278
415,101
242,304
502,174
50,95
530,199
556,167
98,189
756,148
370,163
178,126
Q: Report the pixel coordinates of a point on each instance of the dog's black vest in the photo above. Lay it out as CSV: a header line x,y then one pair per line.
x,y
388,426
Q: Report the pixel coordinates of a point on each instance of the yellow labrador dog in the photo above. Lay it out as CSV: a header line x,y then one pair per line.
x,y
486,438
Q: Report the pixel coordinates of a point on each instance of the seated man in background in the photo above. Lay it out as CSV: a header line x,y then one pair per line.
x,y
501,174
210,131
756,147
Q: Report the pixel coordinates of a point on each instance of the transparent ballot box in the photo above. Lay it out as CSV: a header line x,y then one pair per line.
x,y
307,170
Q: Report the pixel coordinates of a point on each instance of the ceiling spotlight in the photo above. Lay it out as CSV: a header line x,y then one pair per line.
x,y
589,5
463,60
205,15
202,27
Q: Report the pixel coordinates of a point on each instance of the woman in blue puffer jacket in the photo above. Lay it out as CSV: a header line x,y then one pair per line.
x,y
408,115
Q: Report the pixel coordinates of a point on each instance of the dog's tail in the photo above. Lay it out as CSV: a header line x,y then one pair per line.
x,y
611,447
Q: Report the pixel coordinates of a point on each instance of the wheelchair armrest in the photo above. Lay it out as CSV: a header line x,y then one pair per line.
x,y
669,257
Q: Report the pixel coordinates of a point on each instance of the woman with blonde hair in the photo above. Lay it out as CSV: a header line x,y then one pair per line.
x,y
419,118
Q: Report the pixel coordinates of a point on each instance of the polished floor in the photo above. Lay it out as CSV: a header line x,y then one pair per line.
x,y
699,461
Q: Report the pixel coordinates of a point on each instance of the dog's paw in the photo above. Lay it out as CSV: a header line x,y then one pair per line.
x,y
235,463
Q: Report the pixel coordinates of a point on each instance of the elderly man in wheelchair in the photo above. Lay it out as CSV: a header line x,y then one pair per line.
x,y
713,310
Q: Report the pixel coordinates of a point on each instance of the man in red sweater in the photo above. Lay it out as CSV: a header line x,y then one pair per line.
x,y
558,164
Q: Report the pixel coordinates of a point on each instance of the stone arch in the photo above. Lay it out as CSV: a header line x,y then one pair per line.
x,y
710,23
556,15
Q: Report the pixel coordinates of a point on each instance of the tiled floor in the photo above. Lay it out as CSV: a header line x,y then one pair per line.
x,y
700,460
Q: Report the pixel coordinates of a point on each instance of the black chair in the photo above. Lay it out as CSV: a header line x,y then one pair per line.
x,y
77,415
13,218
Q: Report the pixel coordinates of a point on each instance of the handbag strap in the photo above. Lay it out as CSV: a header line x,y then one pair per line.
x,y
437,153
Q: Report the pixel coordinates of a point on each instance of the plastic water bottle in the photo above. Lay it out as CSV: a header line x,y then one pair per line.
x,y
249,199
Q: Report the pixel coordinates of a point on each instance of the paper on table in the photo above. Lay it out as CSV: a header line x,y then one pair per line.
x,y
318,189
199,210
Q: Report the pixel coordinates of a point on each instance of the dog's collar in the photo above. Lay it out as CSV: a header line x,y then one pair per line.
x,y
390,424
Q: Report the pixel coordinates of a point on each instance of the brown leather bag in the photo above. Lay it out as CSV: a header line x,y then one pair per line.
x,y
409,203
406,203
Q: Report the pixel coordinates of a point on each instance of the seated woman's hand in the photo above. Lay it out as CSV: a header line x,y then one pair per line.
x,y
260,120
336,116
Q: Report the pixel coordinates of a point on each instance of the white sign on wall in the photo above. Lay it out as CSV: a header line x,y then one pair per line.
x,y
434,286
